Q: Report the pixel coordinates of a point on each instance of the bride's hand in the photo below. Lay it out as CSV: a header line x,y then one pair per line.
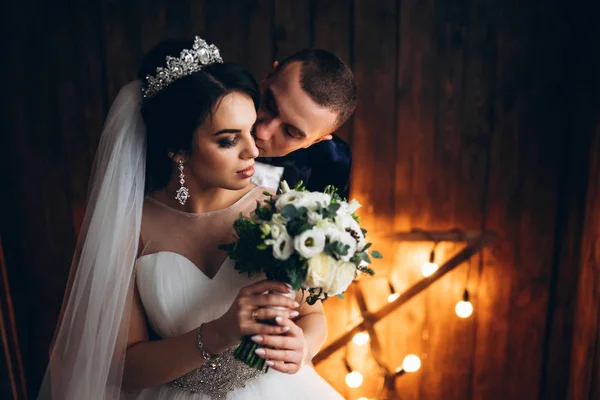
x,y
248,308
289,353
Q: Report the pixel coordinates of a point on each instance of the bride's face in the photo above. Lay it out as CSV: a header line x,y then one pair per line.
x,y
223,150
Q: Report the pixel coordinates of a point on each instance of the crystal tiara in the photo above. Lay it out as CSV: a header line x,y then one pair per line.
x,y
189,61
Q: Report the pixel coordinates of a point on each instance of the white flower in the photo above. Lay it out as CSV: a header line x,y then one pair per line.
x,y
344,275
277,229
283,246
310,243
348,224
353,206
278,219
284,187
297,199
345,239
317,200
329,228
314,217
321,270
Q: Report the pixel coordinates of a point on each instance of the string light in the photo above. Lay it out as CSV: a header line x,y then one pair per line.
x,y
428,268
361,338
410,364
393,295
353,378
464,308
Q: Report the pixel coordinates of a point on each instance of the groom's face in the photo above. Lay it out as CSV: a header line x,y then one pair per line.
x,y
288,118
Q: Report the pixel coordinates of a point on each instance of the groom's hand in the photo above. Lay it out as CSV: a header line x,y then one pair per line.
x,y
289,352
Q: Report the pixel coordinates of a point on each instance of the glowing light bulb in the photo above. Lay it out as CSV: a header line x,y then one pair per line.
x,y
393,297
464,308
361,338
429,268
354,379
411,363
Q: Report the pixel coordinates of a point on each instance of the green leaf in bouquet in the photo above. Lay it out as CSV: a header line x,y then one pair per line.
x,y
340,296
356,218
367,246
363,230
339,248
365,269
289,211
304,227
291,271
268,194
293,227
331,210
264,212
329,250
376,254
262,246
302,211
365,257
300,187
355,259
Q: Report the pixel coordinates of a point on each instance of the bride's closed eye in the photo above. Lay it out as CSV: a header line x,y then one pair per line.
x,y
228,142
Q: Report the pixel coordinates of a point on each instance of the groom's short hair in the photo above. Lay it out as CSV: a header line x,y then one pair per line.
x,y
327,80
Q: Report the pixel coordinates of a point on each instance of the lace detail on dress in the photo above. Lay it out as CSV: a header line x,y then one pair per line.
x,y
219,376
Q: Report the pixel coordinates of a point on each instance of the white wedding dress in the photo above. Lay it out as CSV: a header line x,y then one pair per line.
x,y
178,296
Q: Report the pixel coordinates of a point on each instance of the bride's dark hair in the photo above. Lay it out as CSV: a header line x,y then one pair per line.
x,y
173,115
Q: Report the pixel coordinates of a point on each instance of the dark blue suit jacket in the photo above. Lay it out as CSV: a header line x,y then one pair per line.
x,y
325,163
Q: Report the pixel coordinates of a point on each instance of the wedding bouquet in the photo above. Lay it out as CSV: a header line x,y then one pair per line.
x,y
310,240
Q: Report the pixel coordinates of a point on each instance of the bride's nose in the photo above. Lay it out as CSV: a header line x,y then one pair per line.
x,y
250,149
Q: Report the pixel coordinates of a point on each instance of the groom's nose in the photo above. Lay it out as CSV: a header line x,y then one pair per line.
x,y
265,127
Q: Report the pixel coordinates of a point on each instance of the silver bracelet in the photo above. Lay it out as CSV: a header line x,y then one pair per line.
x,y
200,343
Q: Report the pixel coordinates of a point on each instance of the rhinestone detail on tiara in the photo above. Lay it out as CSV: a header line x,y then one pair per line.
x,y
189,61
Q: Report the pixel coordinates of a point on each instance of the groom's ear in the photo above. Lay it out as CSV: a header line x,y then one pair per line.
x,y
326,137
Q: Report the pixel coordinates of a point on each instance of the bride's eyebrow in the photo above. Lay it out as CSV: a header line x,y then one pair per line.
x,y
224,131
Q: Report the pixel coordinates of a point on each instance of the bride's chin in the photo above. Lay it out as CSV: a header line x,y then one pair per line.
x,y
240,185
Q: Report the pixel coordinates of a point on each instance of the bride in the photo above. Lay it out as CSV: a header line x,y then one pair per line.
x,y
153,309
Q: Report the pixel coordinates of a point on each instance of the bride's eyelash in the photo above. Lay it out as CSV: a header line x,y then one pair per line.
x,y
227,143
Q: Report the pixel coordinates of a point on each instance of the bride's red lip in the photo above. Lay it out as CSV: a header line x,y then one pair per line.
x,y
246,173
246,169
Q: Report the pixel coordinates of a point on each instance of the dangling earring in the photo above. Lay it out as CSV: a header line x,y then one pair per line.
x,y
183,193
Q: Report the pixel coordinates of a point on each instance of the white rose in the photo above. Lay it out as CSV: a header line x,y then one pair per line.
x,y
297,199
344,275
277,229
321,270
345,239
283,246
310,243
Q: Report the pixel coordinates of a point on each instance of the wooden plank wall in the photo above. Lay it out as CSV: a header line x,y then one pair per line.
x,y
468,118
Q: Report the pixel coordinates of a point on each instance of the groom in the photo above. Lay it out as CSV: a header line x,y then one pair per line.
x,y
305,98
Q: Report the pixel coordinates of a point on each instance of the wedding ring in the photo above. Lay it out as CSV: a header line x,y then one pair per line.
x,y
255,314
